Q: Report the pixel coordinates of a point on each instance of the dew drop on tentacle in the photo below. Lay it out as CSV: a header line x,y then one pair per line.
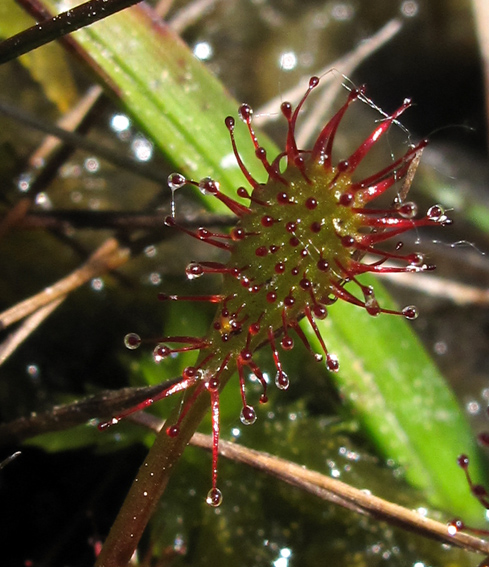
x,y
435,212
463,461
245,113
248,415
208,186
407,210
175,181
287,343
160,352
214,497
371,304
194,270
416,259
132,341
332,363
410,312
281,380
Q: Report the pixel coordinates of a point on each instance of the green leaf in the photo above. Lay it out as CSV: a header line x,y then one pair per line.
x,y
171,95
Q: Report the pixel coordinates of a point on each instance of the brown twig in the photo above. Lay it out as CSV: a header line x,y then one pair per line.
x,y
191,14
322,486
108,256
344,65
77,141
335,491
441,288
332,490
15,339
44,162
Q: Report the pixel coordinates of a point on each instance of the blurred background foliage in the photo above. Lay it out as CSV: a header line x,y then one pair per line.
x,y
65,488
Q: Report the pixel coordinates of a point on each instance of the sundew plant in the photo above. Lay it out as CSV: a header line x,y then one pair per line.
x,y
288,356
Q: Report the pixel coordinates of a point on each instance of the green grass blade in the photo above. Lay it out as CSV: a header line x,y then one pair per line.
x,y
402,401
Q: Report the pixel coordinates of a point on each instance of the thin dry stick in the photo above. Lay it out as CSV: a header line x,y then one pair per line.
x,y
163,7
16,338
345,65
46,159
81,142
408,180
71,121
336,491
459,293
330,489
191,14
108,256
104,404
322,486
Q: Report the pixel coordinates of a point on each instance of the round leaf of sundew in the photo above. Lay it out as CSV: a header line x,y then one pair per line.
x,y
404,404
181,106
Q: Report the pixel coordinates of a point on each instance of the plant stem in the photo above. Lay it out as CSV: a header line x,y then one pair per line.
x,y
150,483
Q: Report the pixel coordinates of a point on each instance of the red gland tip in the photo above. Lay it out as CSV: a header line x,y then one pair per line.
x,y
463,461
245,113
230,123
173,431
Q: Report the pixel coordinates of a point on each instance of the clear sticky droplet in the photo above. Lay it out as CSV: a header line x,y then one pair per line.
x,y
208,186
416,259
193,271
175,181
332,363
132,341
372,306
214,497
160,352
410,312
247,416
436,212
245,113
282,380
408,210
